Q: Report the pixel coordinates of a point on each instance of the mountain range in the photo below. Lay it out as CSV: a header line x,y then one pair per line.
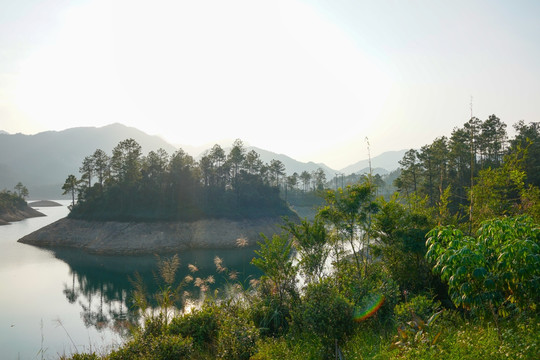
x,y
44,160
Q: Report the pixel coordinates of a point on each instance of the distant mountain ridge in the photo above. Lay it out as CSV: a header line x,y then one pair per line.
x,y
292,165
43,161
388,160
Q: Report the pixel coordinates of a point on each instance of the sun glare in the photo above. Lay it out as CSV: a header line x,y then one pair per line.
x,y
195,73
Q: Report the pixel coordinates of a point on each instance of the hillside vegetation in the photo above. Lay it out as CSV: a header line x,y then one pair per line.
x,y
448,268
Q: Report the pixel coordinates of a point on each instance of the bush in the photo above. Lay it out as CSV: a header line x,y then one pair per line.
x,y
236,336
269,313
376,282
201,325
154,342
163,347
326,313
419,305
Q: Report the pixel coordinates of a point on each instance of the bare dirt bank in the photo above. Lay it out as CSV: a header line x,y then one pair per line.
x,y
131,238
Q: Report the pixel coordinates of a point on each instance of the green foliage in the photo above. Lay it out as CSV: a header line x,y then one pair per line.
x,y
361,291
10,202
349,211
472,175
274,258
311,244
401,245
420,306
156,187
236,337
499,192
473,340
326,313
300,347
277,287
500,266
527,142
163,347
200,325
270,313
417,331
21,190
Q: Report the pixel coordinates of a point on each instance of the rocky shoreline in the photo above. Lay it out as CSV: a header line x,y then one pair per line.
x,y
18,215
133,238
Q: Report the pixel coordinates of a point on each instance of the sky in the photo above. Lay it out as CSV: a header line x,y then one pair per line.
x,y
317,80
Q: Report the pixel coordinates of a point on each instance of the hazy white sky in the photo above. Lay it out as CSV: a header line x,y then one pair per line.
x,y
311,79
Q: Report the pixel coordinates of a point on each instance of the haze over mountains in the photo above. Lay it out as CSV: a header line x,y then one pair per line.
x,y
43,161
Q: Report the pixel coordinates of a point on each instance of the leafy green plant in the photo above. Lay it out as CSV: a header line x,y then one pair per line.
x,y
277,287
421,306
311,244
500,266
350,212
163,347
201,325
326,313
417,331
236,336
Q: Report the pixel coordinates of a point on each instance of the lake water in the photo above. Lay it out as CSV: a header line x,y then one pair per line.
x,y
62,301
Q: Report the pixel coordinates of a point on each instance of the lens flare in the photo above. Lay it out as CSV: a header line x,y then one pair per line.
x,y
371,307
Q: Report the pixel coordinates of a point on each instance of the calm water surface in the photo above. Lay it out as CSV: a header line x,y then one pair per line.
x,y
58,302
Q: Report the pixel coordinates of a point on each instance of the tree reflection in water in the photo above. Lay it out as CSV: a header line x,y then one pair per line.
x,y
102,288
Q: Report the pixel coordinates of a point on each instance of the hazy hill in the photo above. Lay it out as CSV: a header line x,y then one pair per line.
x,y
387,160
292,165
43,161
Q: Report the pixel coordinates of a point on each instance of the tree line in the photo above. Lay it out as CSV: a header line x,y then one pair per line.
x,y
10,201
129,186
476,173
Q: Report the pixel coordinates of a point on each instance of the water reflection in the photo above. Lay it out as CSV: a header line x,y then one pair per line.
x,y
101,285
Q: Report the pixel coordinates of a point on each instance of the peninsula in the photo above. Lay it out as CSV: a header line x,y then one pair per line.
x,y
14,208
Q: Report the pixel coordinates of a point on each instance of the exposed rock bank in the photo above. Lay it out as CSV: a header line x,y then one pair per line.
x,y
18,215
142,238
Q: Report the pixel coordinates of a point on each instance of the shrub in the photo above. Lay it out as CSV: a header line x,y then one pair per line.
x,y
419,305
163,347
269,313
201,325
500,266
326,313
236,336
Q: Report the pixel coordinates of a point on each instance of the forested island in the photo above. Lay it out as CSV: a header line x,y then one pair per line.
x,y
128,186
128,203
